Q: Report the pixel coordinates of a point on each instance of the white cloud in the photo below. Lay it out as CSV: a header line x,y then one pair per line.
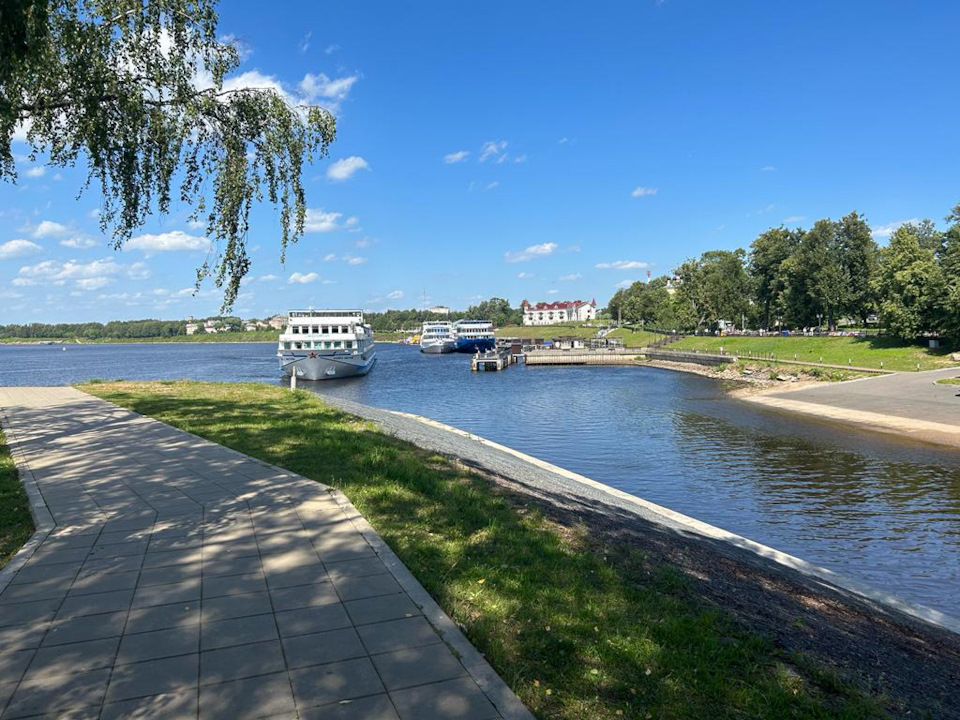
x,y
552,292
885,231
492,185
50,229
17,248
495,149
622,265
267,278
138,271
36,171
571,277
794,219
344,169
196,224
305,43
353,260
530,252
395,295
94,283
329,257
520,159
455,157
331,49
525,275
79,242
53,272
641,191
767,168
563,141
94,214
319,87
303,279
173,241
320,221
624,284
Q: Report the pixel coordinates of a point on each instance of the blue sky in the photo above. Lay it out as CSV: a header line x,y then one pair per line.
x,y
544,151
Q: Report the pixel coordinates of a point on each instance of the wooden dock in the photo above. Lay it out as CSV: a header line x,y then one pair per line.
x,y
497,359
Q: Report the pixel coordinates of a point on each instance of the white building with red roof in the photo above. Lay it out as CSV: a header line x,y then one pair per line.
x,y
558,312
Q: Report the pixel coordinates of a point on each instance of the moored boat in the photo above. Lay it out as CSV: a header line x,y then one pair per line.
x,y
437,337
326,344
474,336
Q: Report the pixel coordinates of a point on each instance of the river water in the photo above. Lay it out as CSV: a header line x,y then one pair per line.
x,y
878,509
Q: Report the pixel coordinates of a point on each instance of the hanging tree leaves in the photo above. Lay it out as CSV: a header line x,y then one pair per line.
x,y
136,91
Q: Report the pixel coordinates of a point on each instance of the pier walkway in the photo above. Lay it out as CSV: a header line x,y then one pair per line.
x,y
171,577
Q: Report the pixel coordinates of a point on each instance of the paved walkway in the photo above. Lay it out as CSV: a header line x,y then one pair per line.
x,y
171,577
910,404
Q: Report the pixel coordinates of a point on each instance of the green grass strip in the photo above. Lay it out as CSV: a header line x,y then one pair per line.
x,y
16,523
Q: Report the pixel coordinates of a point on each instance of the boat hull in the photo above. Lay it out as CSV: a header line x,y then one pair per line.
x,y
326,367
437,348
475,345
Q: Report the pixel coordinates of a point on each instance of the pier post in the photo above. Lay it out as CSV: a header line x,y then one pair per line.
x,y
293,378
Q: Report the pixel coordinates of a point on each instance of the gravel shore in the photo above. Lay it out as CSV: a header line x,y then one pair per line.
x,y
914,663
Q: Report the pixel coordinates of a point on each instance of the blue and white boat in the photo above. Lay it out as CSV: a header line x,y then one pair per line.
x,y
474,336
326,344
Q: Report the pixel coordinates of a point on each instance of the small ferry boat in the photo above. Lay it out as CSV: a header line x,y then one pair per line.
x,y
326,344
437,337
474,336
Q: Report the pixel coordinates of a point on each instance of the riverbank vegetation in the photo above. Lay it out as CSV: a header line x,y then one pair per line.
x,y
579,628
866,352
830,274
16,523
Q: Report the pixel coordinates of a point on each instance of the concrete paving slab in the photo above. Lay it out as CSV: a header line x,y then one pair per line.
x,y
177,578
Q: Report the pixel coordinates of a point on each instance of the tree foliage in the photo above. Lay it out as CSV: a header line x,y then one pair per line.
x,y
800,279
136,91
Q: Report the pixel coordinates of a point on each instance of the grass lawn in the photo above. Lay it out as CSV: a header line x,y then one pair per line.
x,y
863,352
949,381
16,524
547,332
578,629
635,338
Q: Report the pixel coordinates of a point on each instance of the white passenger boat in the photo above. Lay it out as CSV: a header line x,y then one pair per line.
x,y
437,337
326,344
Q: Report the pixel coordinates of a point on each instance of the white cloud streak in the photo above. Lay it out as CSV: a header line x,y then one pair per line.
x,y
530,252
344,169
622,265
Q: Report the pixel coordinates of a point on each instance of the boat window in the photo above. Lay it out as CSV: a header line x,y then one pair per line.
x,y
335,329
327,345
325,329
286,346
295,329
348,344
337,343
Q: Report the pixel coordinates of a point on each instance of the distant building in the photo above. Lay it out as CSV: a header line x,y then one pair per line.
x,y
439,310
249,326
278,322
192,327
558,312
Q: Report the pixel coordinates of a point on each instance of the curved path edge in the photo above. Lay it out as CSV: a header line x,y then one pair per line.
x,y
914,428
674,520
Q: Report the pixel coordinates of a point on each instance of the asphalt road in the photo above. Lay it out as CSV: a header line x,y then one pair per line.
x,y
916,396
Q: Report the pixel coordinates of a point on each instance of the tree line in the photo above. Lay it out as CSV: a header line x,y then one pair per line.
x,y
496,310
117,329
797,278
